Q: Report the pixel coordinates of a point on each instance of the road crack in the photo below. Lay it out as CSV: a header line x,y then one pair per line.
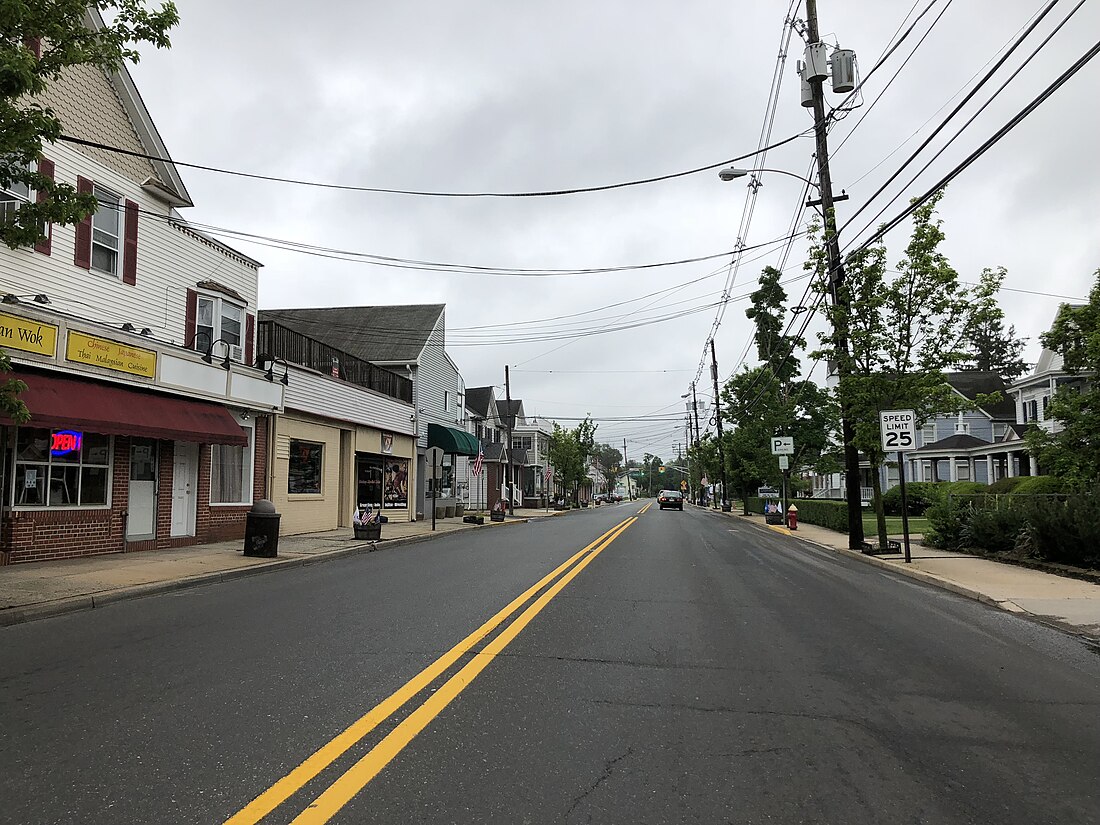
x,y
608,767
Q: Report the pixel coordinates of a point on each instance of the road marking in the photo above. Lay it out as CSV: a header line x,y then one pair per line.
x,y
650,504
294,781
344,789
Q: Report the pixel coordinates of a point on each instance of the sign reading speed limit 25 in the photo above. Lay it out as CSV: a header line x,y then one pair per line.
x,y
899,430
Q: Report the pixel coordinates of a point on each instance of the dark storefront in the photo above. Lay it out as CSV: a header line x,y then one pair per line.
x,y
382,481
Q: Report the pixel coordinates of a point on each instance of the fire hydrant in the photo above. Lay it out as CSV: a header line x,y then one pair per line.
x,y
792,518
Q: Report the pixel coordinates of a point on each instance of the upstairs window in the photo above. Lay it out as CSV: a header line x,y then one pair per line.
x,y
217,318
928,433
106,231
13,194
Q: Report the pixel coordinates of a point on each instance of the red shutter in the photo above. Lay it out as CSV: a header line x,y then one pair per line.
x,y
34,44
45,246
129,245
189,319
249,334
83,256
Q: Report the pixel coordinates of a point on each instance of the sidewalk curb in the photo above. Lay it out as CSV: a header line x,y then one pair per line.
x,y
942,583
74,604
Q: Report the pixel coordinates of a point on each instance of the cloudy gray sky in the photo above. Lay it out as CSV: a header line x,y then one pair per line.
x,y
516,97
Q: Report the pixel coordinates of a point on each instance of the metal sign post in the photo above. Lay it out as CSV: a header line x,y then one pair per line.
x,y
899,433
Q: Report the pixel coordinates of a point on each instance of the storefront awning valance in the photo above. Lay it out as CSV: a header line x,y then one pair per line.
x,y
65,403
450,440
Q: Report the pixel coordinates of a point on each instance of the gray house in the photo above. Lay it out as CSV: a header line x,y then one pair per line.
x,y
410,340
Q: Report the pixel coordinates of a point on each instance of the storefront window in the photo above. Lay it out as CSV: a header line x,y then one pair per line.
x,y
306,463
61,468
396,480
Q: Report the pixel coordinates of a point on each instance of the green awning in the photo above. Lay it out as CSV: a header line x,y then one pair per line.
x,y
450,440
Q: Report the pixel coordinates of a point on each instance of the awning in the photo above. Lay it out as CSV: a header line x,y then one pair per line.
x,y
65,403
450,440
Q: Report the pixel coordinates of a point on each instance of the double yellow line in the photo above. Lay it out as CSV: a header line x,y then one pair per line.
x,y
353,780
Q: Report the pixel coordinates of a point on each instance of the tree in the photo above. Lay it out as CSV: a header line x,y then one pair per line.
x,y
903,332
40,39
608,461
1074,452
569,452
987,345
769,400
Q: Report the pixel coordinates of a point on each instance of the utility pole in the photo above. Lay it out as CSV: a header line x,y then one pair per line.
x,y
510,420
836,278
698,435
718,424
626,471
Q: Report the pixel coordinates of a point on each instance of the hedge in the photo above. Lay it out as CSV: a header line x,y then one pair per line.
x,y
820,511
1039,486
919,496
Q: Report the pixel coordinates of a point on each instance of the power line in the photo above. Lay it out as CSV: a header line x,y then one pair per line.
x,y
423,193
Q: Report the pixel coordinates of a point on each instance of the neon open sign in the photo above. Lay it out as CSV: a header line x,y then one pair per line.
x,y
65,442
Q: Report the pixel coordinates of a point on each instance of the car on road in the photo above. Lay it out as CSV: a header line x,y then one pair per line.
x,y
670,498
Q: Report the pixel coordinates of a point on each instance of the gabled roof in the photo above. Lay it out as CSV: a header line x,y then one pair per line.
x,y
493,451
477,400
953,442
513,412
972,383
381,334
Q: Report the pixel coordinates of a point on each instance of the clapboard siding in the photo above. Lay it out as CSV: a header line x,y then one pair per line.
x,y
312,392
435,379
169,261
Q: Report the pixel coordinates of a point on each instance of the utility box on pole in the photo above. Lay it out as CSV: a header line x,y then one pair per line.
x,y
844,70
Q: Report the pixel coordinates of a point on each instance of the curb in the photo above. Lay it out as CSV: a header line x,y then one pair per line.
x,y
943,584
74,604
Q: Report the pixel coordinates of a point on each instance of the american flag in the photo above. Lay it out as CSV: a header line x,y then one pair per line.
x,y
549,473
479,460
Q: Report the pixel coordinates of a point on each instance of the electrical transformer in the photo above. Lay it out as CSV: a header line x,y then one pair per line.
x,y
844,70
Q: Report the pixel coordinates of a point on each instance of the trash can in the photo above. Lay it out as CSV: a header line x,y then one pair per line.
x,y
261,530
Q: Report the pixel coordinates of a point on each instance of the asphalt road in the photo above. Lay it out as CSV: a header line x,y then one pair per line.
x,y
688,668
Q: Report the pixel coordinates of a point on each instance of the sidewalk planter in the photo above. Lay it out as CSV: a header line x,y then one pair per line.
x,y
473,519
369,532
497,515
869,549
449,511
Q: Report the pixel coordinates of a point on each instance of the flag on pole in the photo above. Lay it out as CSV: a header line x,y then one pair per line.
x,y
479,460
549,474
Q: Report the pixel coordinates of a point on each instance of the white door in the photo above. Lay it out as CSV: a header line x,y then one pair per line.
x,y
185,481
141,523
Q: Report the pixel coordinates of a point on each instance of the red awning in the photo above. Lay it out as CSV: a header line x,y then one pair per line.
x,y
65,403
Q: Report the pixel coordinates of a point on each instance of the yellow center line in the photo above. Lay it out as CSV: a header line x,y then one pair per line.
x,y
322,809
294,781
650,504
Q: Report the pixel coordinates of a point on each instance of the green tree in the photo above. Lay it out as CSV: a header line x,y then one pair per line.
x,y
608,463
569,452
903,333
1073,454
986,344
40,39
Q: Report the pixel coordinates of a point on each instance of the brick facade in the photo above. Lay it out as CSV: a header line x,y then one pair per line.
x,y
37,535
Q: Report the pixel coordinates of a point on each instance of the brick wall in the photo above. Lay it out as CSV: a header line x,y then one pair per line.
x,y
36,535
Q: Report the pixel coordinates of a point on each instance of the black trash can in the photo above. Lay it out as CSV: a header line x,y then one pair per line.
x,y
261,530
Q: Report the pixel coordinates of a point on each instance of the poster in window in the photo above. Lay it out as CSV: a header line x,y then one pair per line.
x,y
396,484
304,472
387,443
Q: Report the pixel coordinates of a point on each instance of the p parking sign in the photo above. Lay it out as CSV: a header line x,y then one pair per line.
x,y
898,429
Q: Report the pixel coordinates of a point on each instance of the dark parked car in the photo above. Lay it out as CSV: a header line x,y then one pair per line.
x,y
671,498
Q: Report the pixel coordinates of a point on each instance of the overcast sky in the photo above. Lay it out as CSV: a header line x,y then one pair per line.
x,y
517,97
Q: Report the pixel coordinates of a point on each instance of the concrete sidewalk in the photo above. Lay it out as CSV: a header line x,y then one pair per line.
x,y
1070,604
50,588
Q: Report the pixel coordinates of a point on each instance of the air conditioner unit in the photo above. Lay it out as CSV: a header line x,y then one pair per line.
x,y
236,353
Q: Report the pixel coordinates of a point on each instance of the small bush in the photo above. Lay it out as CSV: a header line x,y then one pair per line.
x,y
947,521
1006,484
1039,486
992,526
919,496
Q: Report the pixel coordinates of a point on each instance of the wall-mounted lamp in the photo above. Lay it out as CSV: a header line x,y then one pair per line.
x,y
10,299
128,327
208,356
39,298
270,374
146,331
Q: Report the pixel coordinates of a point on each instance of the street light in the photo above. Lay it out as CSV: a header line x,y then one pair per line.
x,y
731,172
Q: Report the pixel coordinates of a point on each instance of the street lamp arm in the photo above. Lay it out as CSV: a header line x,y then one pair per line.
x,y
731,172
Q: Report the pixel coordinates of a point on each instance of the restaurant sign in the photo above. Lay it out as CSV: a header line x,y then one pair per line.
x,y
111,355
27,335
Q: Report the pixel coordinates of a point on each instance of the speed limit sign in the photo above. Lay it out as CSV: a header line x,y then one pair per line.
x,y
899,430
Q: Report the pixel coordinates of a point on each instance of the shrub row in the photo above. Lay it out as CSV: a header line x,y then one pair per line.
x,y
823,512
921,495
1064,530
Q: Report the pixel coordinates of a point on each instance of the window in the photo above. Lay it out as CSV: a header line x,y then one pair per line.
x,y
217,318
928,433
522,442
13,194
61,468
1046,403
306,463
480,432
446,401
1000,430
106,231
231,471
962,470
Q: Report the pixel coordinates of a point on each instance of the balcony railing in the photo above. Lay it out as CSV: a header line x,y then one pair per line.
x,y
277,341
